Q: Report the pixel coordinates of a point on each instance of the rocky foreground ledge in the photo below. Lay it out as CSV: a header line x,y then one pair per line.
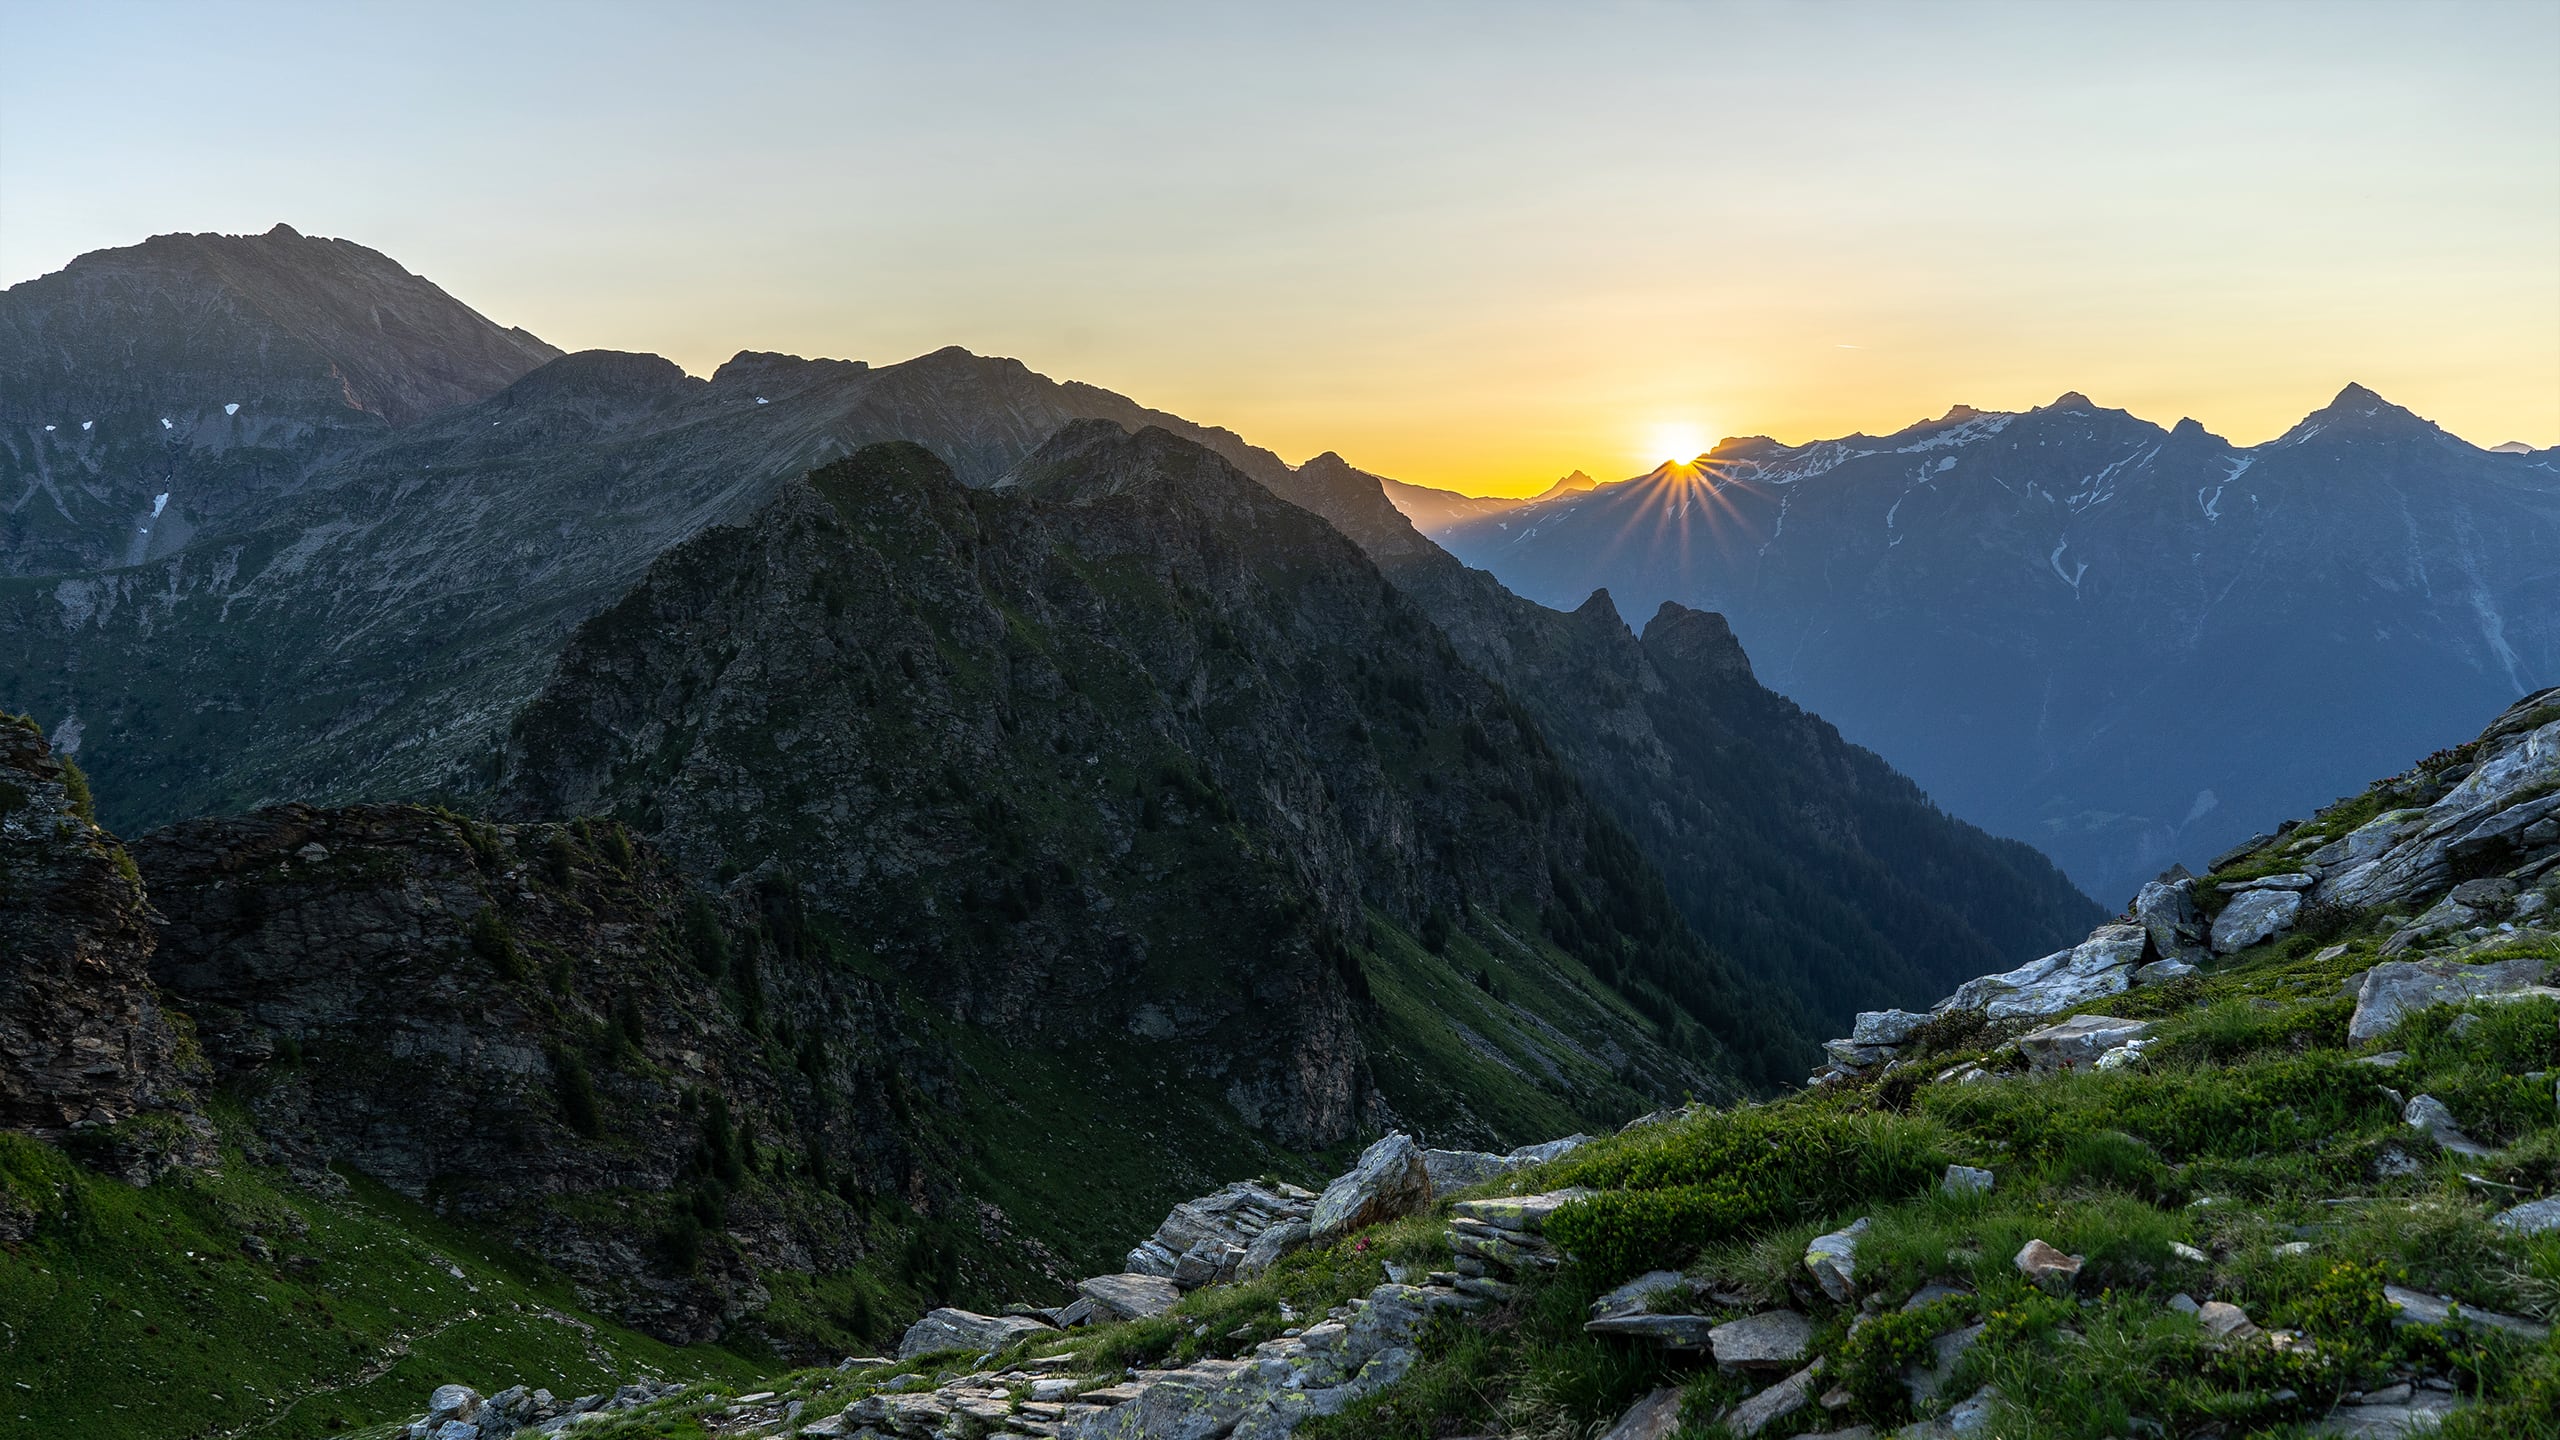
x,y
1235,1234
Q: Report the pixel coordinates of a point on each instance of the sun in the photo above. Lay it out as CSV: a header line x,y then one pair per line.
x,y
1677,440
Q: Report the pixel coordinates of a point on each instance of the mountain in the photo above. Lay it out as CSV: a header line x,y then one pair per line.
x,y
1129,746
410,595
149,392
1432,510
2121,642
1800,855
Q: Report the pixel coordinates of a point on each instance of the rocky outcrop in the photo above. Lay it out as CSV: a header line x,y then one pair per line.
x,y
89,1051
1389,1181
1233,1234
2478,865
544,1027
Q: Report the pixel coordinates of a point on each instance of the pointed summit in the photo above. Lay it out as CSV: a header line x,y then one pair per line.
x,y
2358,411
2071,400
1573,484
1957,413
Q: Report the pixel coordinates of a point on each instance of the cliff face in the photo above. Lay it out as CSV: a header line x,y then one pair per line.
x,y
88,1054
544,1029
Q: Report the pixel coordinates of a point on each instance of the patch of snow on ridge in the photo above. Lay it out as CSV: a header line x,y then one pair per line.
x,y
2212,505
2079,567
1980,428
159,503
165,425
85,424
231,409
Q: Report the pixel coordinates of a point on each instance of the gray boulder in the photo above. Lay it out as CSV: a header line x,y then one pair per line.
x,y
2428,1114
1637,1294
2417,1307
1770,1340
1671,1332
952,1329
1775,1403
1966,1180
1886,1027
2077,1043
2161,972
2254,916
2533,1217
1390,1181
1544,1151
2166,911
1833,1259
1270,1245
2099,966
1459,1169
2397,989
1130,1297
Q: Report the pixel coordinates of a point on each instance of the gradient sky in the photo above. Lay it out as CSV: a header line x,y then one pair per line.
x,y
1470,245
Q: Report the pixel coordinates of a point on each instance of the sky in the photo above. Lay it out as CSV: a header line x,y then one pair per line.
x,y
1468,245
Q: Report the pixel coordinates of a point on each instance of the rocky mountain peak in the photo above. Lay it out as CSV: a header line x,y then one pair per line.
x,y
1600,610
1696,642
2359,412
1573,484
2070,400
184,322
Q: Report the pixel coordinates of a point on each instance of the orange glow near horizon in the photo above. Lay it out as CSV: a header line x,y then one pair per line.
x,y
1679,441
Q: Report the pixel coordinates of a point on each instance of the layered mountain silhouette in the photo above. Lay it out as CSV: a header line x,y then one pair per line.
x,y
369,621
2124,643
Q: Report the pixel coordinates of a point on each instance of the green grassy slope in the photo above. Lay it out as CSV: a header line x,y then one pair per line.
x,y
238,1304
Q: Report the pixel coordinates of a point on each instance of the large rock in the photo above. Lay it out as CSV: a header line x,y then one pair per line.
x,y
2077,1043
2533,1217
1205,1239
2166,911
1459,1169
1390,1181
1546,1150
1770,1340
2253,916
2099,966
1775,1403
2429,1115
1269,1246
2048,1267
950,1329
2417,1307
1886,1027
1833,1259
1527,1213
2397,989
1131,1297
2479,825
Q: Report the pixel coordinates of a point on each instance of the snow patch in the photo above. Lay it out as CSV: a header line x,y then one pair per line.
x,y
48,429
2072,576
165,425
762,401
85,424
159,503
1946,464
231,409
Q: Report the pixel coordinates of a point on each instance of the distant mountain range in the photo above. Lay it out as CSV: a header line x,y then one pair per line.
x,y
1435,510
2127,644
590,582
